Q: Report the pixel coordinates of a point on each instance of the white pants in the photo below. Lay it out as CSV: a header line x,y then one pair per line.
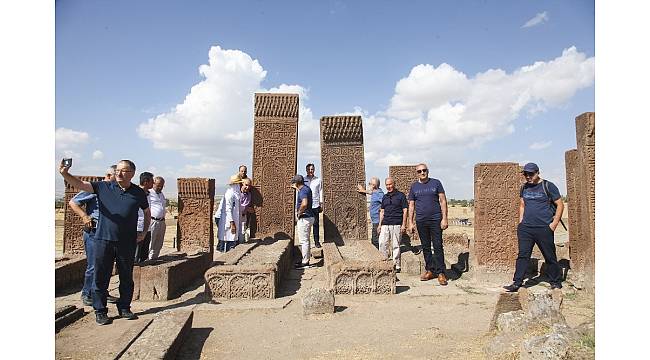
x,y
157,229
392,233
303,230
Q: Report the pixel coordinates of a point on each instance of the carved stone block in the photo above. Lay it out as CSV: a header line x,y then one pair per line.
x,y
343,164
275,142
69,272
358,269
73,242
496,212
250,271
194,230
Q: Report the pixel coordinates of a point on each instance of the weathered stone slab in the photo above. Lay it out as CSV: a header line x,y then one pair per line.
x,y
114,348
358,268
66,315
166,277
586,185
507,302
163,337
342,159
73,242
69,272
318,301
194,230
275,142
254,272
496,212
578,246
457,253
404,176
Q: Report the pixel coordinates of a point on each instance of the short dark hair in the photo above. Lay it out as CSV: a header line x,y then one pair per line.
x,y
131,164
145,176
310,164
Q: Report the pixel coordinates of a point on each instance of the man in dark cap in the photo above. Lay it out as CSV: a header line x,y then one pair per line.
x,y
304,218
540,211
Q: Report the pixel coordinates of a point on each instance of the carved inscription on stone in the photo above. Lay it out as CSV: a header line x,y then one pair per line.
x,y
343,165
275,141
73,242
586,182
496,211
404,176
577,244
194,232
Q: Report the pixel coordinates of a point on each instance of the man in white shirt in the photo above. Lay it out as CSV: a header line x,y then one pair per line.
x,y
157,202
142,249
316,187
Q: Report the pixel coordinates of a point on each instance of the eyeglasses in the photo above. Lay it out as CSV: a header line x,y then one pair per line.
x,y
421,171
123,171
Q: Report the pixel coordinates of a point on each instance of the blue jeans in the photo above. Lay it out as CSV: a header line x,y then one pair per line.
x,y
107,252
89,248
225,246
543,236
431,236
374,239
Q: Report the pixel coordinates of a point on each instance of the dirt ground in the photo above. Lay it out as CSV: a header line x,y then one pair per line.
x,y
422,321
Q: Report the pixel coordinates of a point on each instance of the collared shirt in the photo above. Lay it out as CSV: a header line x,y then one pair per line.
x,y
118,210
393,204
157,204
427,202
245,199
90,200
305,193
316,187
375,204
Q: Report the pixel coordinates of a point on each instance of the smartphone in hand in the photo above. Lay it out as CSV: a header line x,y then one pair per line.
x,y
67,162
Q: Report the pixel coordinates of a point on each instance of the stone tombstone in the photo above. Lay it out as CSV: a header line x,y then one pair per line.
x,y
275,142
194,231
73,242
577,244
586,141
343,168
496,215
404,176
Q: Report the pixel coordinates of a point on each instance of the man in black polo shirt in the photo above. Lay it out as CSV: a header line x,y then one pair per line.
x,y
392,221
116,236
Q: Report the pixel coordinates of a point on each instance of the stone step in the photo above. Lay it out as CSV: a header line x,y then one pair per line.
x,y
162,338
66,315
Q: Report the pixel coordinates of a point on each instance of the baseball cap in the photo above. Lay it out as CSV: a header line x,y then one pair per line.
x,y
298,179
531,167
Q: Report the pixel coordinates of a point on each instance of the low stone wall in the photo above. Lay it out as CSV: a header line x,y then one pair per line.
x,y
358,269
250,271
69,272
167,276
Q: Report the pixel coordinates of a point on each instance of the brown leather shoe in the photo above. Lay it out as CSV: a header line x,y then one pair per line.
x,y
427,275
442,279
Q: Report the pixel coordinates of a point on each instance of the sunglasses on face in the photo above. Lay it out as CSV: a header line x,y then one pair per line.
x,y
421,171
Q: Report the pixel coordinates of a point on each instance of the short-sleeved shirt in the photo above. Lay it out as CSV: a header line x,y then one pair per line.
x,y
375,204
90,200
118,210
393,204
427,203
538,210
305,193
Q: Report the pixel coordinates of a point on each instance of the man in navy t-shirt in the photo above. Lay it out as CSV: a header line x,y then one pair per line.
x,y
427,199
540,211
116,234
304,218
392,221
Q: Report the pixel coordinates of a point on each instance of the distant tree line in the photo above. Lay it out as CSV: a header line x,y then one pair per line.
x,y
463,203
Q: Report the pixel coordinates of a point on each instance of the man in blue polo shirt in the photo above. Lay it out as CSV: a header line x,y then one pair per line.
x,y
392,221
304,218
115,236
427,199
376,195
540,211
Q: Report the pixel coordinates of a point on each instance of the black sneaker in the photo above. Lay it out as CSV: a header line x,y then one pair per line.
x,y
300,266
111,299
318,246
86,300
127,314
102,319
556,286
416,250
512,287
398,270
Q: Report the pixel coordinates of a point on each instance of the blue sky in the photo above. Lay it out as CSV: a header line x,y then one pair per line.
x,y
448,83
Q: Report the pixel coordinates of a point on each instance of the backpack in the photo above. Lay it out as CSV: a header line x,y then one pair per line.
x,y
545,187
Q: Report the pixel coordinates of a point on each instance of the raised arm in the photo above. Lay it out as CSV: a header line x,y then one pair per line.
x,y
73,181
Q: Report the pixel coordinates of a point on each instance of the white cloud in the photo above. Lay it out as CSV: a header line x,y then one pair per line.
x,y
540,145
536,20
98,154
67,138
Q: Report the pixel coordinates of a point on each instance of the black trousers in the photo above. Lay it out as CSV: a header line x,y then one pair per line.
x,y
143,248
431,237
107,252
315,227
527,237
375,236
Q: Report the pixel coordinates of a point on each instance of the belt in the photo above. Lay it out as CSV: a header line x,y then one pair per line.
x,y
158,219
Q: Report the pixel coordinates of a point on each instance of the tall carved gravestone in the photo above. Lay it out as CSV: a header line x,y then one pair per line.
x,y
496,214
581,184
73,242
343,166
194,232
275,142
404,176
